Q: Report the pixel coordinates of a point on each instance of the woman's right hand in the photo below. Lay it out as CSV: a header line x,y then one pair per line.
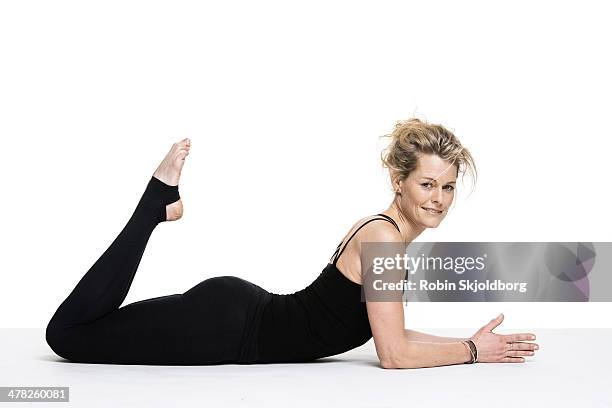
x,y
502,348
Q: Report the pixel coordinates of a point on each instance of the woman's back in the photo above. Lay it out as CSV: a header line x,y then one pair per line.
x,y
326,318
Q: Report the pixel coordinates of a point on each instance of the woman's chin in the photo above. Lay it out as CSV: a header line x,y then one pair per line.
x,y
431,223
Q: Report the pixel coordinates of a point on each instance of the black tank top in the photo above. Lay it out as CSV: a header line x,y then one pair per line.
x,y
326,318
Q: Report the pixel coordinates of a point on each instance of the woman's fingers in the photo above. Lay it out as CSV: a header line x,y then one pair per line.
x,y
518,353
524,346
513,360
493,323
511,338
518,344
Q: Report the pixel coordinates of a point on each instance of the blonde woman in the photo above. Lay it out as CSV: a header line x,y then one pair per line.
x,y
227,319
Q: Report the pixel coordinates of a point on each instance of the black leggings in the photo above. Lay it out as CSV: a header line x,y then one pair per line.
x,y
211,323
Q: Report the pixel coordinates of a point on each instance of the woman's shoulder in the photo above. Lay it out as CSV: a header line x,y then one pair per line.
x,y
374,228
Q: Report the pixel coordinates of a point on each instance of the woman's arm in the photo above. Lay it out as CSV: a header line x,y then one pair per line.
x,y
413,335
399,348
419,354
394,347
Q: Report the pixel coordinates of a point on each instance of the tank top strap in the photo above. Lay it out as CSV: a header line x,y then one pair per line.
x,y
391,220
385,217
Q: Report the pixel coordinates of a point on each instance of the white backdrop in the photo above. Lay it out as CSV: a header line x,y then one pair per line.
x,y
284,103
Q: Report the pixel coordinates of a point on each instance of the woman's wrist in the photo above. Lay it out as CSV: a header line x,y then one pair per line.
x,y
468,356
472,351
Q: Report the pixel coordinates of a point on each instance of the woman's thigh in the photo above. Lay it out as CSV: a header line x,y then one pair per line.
x,y
204,325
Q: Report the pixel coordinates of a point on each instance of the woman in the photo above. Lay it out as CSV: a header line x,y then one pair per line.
x,y
227,319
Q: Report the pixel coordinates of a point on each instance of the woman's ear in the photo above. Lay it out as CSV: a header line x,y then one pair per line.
x,y
395,181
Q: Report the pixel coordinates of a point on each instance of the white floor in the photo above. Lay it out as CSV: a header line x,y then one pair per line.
x,y
571,369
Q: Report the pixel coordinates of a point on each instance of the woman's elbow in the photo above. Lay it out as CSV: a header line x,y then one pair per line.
x,y
387,363
397,362
399,357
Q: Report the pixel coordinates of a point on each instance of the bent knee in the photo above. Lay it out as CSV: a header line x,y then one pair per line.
x,y
57,338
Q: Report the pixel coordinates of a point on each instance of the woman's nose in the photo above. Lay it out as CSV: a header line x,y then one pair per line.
x,y
435,195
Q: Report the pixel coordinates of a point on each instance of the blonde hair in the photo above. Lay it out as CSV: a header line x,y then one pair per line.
x,y
413,137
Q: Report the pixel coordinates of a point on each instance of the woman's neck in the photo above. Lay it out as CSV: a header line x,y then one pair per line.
x,y
408,229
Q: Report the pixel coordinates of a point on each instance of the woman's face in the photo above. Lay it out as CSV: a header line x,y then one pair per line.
x,y
430,186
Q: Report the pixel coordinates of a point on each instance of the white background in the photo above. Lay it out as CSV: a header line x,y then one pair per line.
x,y
285,103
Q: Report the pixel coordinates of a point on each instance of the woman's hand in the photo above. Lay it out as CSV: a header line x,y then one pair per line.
x,y
502,348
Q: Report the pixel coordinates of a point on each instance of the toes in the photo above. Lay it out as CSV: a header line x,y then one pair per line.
x,y
182,154
183,144
186,142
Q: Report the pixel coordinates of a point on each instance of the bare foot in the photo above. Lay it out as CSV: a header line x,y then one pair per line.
x,y
169,172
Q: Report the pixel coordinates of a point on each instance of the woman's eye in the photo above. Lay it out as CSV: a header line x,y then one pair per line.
x,y
451,188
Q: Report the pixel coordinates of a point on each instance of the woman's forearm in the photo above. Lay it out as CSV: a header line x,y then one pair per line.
x,y
413,335
420,354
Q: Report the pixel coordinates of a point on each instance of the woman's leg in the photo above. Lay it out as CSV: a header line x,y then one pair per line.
x,y
208,324
106,284
211,323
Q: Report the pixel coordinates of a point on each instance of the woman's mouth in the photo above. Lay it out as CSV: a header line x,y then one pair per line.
x,y
432,211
